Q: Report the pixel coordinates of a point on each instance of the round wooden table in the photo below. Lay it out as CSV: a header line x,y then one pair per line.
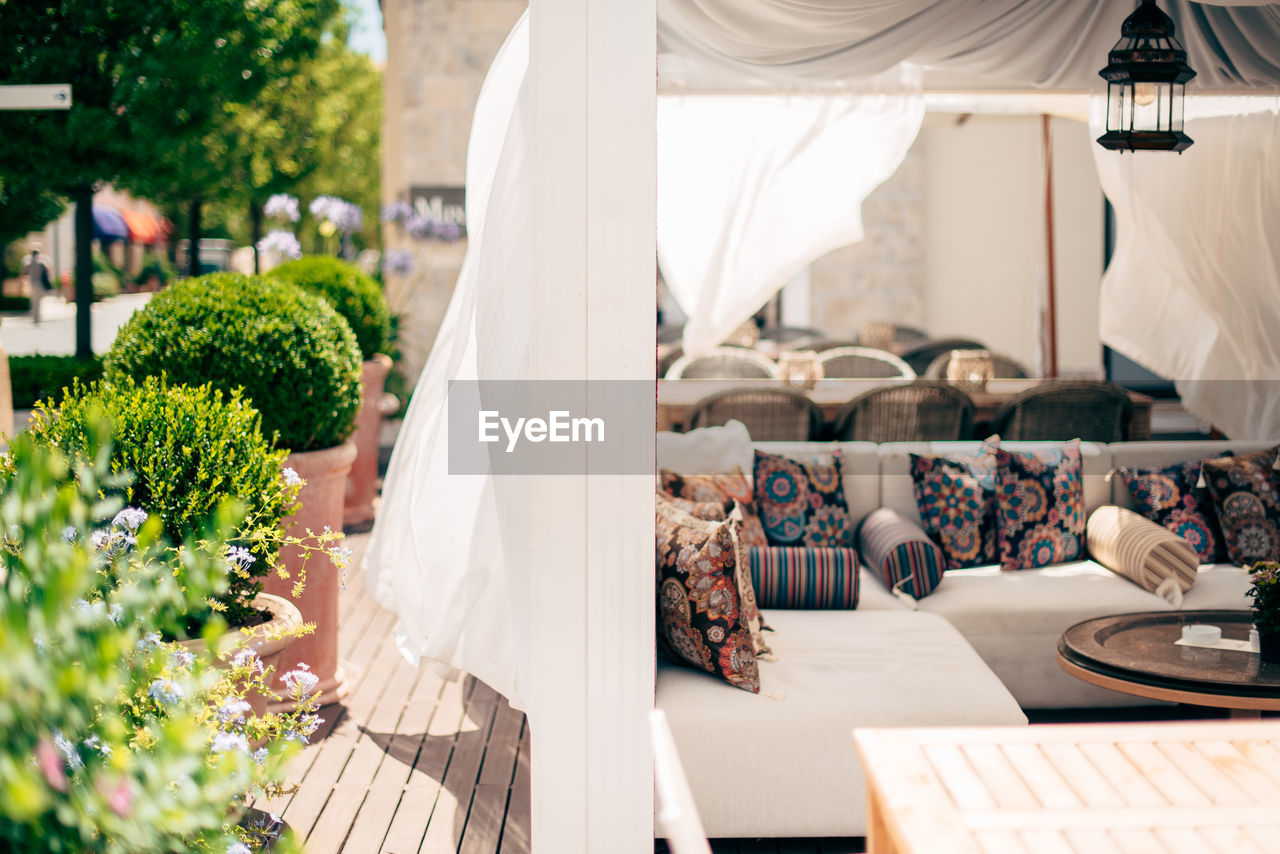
x,y
1137,654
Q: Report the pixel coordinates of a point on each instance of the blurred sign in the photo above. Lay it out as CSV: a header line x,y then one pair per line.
x,y
442,204
52,96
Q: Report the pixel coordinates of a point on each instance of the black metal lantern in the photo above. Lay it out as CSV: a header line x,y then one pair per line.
x,y
1146,78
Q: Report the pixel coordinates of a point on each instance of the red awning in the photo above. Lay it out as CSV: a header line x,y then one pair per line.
x,y
143,227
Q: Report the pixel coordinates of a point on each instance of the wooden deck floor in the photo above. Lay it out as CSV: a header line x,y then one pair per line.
x,y
408,762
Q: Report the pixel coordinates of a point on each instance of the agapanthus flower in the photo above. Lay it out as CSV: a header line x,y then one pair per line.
x,y
282,206
397,261
397,211
130,517
345,216
224,741
165,691
283,243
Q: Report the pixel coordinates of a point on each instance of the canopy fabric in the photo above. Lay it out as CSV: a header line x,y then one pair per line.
x,y
108,224
143,227
752,189
1191,292
1039,43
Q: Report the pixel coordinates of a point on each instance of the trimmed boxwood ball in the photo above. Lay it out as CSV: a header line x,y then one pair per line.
x,y
189,449
293,355
354,295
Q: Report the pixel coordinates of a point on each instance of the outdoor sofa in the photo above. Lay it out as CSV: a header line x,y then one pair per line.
x,y
976,651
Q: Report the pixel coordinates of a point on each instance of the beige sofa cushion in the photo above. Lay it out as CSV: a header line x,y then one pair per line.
x,y
1149,555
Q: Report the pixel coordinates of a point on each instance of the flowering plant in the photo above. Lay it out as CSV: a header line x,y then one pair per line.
x,y
282,206
341,215
280,244
1265,593
115,741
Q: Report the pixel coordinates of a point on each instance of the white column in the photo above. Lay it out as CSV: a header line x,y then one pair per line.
x,y
797,307
592,77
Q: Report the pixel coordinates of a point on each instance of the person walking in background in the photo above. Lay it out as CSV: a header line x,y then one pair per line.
x,y
38,282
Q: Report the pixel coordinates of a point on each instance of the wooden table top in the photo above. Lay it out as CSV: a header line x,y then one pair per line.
x,y
1100,789
1137,654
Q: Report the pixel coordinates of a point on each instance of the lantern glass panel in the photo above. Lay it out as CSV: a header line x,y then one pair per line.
x,y
1146,106
1115,100
1177,93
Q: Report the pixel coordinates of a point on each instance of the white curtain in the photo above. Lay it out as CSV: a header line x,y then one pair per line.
x,y
1043,43
754,188
1193,290
445,554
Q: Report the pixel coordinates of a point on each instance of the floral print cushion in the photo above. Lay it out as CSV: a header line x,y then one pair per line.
x,y
1246,496
956,499
700,620
1170,497
709,511
1039,506
726,489
801,501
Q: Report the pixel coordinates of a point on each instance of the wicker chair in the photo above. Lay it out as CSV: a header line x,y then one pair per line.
x,y
1058,410
670,358
921,356
860,362
771,414
724,363
908,336
919,411
831,343
1005,367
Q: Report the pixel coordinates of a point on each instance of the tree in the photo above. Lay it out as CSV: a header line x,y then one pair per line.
x,y
26,204
146,77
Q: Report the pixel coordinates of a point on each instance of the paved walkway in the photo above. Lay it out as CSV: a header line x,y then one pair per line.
x,y
56,334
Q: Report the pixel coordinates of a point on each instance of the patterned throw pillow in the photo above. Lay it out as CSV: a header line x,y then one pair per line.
x,y
802,578
956,499
801,502
1170,497
1246,496
704,515
724,488
901,553
1039,506
700,620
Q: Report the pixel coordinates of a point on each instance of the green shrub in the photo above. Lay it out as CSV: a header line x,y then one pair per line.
x,y
36,378
105,285
189,450
294,356
156,265
354,295
14,303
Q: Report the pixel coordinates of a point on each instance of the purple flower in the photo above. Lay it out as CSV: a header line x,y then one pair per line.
x,y
233,710
300,682
282,243
345,216
130,517
283,206
239,557
397,261
165,691
229,741
397,211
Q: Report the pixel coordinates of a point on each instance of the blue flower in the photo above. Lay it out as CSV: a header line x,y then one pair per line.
x,y
165,691
239,557
283,206
182,658
233,710
282,243
130,517
224,741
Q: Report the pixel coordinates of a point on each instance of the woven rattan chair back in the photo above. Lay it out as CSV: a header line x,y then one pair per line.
x,y
724,363
771,414
791,337
921,356
1005,367
666,360
863,362
1059,410
919,411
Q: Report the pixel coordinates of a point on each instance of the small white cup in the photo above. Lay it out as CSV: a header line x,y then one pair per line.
x,y
1201,634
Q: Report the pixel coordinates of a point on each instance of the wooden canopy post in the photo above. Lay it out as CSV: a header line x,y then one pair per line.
x,y
1049,317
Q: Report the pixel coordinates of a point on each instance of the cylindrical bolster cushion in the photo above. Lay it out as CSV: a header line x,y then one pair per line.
x,y
1149,555
804,578
901,553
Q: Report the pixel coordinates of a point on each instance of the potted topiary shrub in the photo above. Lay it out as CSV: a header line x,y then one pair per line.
x,y
1264,578
297,362
189,450
360,300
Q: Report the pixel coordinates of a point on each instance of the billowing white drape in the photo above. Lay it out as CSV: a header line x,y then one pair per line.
x,y
1050,43
1193,290
443,554
754,188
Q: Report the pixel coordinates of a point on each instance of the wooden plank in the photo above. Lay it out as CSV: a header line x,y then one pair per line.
x,y
966,788
1044,781
1233,840
1172,782
516,834
1081,775
1046,842
484,822
1091,841
1182,839
504,742
449,818
1136,841
999,777
1196,766
1000,842
1244,773
1127,780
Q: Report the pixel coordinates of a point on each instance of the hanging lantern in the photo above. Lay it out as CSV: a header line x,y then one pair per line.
x,y
1146,76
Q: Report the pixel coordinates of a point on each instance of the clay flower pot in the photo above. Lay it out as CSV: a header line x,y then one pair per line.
x,y
264,639
362,485
1269,647
325,472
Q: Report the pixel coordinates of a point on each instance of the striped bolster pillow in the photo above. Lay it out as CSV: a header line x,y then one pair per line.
x,y
1149,555
901,553
803,578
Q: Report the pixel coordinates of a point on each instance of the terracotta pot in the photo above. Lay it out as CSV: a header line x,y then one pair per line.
x,y
362,484
325,472
285,616
1269,647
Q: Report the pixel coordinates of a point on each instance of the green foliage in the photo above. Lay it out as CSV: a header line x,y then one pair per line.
x,y
13,303
354,295
156,265
1265,594
76,773
190,450
26,204
35,378
294,356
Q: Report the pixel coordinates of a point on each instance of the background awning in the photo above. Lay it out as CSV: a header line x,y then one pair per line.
x,y
143,227
108,224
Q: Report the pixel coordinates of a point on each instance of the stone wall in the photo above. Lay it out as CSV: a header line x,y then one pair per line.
x,y
437,54
881,277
